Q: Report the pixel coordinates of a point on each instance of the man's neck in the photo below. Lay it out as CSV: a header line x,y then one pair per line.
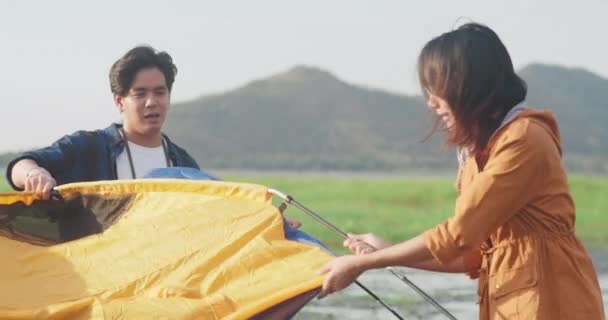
x,y
150,140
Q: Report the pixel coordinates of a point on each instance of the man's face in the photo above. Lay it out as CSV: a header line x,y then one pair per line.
x,y
145,106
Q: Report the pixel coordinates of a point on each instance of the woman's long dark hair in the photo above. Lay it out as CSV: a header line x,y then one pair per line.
x,y
471,69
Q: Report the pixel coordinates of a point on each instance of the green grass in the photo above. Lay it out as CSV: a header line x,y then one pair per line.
x,y
395,209
400,208
591,200
4,187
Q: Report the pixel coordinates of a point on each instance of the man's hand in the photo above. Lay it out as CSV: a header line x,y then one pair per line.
x,y
29,176
293,223
40,181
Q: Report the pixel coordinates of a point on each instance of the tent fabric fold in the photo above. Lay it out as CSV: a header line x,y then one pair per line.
x,y
158,249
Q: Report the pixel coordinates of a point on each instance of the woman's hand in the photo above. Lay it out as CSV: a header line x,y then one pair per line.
x,y
340,272
365,243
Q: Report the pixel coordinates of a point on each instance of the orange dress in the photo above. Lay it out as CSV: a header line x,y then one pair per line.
x,y
514,225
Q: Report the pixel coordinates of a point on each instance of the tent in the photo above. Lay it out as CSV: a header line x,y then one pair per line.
x,y
152,249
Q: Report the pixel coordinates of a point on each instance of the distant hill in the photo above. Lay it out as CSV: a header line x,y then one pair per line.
x,y
580,101
308,119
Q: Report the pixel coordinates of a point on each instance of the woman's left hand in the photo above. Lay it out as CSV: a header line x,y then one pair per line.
x,y
365,243
340,272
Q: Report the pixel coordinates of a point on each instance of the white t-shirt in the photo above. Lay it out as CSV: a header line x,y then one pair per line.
x,y
144,160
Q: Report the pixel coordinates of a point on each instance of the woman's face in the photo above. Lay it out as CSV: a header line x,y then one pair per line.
x,y
441,108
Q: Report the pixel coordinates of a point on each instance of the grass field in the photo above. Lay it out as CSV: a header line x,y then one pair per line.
x,y
400,208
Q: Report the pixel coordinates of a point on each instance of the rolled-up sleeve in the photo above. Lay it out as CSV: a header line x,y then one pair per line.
x,y
55,158
513,171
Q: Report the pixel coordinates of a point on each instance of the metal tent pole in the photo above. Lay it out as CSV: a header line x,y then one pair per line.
x,y
290,200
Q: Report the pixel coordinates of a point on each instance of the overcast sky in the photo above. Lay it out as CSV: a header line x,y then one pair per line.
x,y
56,54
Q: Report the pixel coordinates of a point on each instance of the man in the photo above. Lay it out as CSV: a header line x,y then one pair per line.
x,y
141,83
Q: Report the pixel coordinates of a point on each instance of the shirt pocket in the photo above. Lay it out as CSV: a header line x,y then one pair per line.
x,y
514,293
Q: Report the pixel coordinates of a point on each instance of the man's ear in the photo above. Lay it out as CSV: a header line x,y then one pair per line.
x,y
118,102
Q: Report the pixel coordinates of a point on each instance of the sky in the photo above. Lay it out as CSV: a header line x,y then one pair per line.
x,y
56,55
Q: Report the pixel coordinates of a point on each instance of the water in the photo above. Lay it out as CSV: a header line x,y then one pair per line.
x,y
455,292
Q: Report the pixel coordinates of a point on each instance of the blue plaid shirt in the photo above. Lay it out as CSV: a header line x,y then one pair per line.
x,y
89,156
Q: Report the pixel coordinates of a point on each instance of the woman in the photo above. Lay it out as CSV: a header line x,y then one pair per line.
x,y
513,223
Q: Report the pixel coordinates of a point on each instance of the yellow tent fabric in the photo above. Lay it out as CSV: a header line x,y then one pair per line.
x,y
182,250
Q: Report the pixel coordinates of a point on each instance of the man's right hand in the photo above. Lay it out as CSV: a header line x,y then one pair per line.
x,y
40,181
26,174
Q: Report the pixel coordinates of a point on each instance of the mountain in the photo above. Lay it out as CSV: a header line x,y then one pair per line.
x,y
305,118
308,119
579,100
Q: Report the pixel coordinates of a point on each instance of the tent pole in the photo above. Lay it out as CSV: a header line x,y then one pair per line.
x,y
290,200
